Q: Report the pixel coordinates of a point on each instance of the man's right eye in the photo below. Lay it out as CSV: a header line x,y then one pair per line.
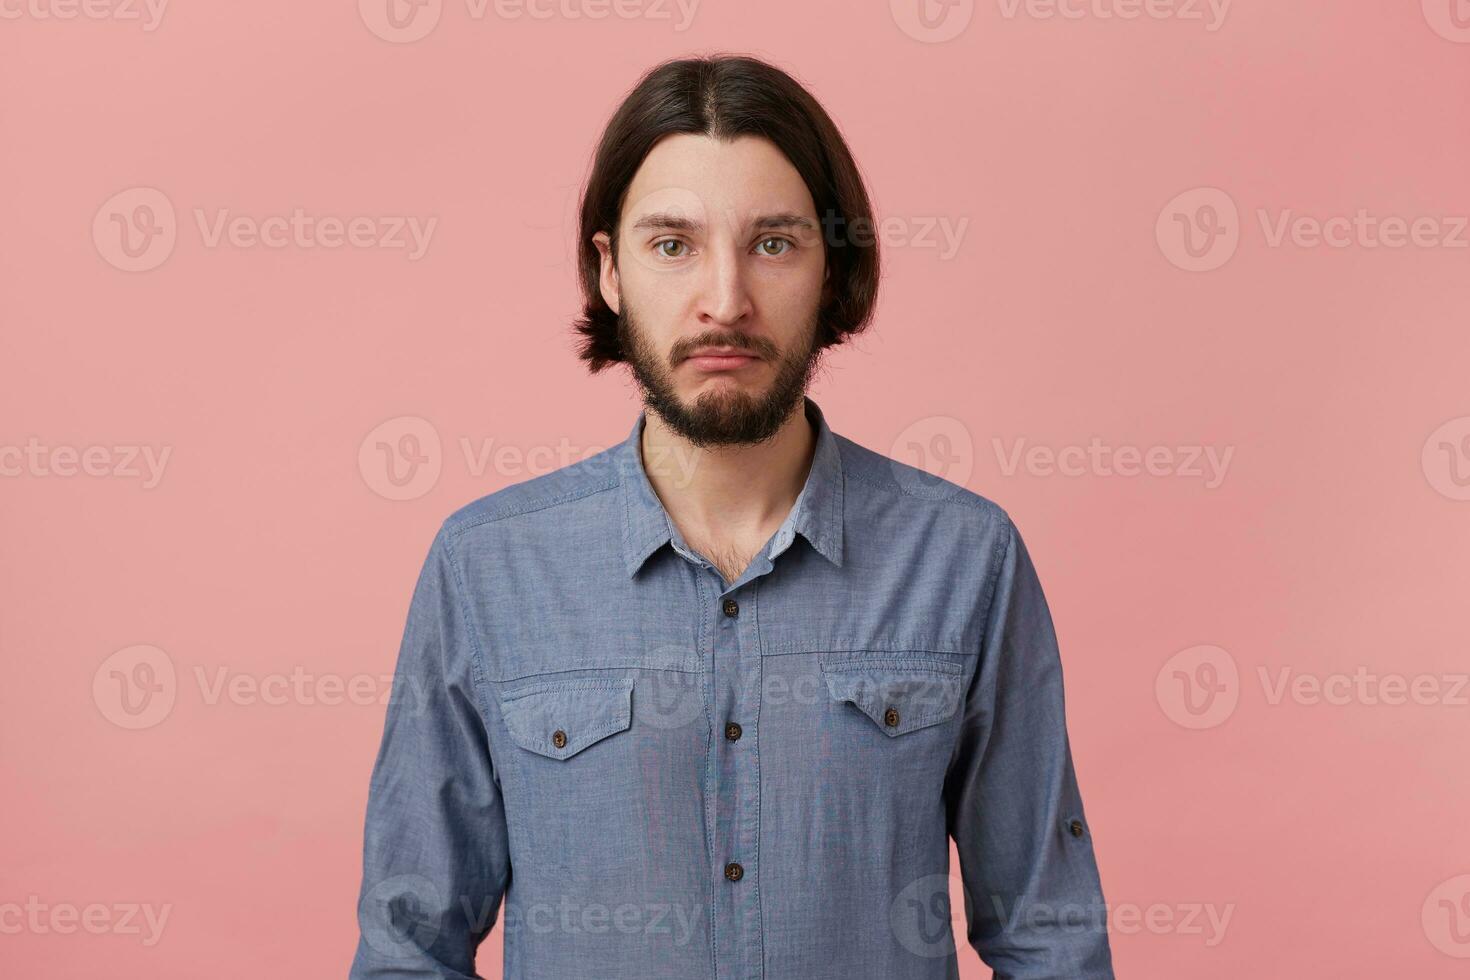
x,y
663,251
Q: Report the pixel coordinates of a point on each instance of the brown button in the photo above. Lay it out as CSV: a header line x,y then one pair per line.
x,y
890,717
734,871
559,739
1076,828
733,731
731,607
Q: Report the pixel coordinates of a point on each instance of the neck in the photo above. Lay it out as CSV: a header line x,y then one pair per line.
x,y
729,492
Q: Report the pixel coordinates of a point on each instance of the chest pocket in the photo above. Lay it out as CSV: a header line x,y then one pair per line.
x,y
558,719
898,695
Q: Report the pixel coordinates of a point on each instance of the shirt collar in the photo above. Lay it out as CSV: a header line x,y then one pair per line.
x,y
816,515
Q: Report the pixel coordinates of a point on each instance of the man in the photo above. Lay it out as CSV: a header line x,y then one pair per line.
x,y
712,703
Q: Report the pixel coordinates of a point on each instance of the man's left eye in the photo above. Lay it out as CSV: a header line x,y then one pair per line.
x,y
778,241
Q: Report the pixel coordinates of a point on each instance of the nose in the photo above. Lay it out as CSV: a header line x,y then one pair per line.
x,y
724,298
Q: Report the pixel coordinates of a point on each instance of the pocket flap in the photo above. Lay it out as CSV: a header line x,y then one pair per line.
x,y
897,695
558,719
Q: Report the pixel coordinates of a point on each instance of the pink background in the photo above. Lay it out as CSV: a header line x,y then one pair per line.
x,y
1330,830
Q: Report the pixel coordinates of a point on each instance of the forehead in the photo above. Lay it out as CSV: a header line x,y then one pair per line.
x,y
694,174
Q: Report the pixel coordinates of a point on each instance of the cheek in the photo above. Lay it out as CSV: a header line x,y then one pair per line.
x,y
657,304
789,296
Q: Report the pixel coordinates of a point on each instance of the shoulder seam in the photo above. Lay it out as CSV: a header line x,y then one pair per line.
x,y
974,501
458,527
476,652
1004,543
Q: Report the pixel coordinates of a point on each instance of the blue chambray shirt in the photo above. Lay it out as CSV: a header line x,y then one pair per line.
x,y
641,772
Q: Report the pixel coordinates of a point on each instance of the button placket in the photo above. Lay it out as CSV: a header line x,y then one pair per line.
x,y
736,787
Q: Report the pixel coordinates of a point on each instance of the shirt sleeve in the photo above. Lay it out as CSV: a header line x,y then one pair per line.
x,y
1033,900
435,854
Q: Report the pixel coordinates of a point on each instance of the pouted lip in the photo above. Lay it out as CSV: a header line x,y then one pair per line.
x,y
723,352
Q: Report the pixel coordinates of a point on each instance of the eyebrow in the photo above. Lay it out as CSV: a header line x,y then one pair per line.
x,y
673,222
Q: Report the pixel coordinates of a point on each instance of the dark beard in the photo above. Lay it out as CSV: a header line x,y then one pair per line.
x,y
720,418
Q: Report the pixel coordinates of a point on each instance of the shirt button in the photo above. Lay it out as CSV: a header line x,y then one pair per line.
x,y
1076,828
731,607
559,739
890,717
733,731
734,871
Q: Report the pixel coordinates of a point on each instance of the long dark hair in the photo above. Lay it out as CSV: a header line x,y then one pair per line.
x,y
724,97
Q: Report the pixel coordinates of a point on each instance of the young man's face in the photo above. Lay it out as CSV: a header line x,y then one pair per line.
x,y
719,247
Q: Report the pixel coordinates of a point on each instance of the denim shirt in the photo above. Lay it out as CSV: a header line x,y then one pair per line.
x,y
642,772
